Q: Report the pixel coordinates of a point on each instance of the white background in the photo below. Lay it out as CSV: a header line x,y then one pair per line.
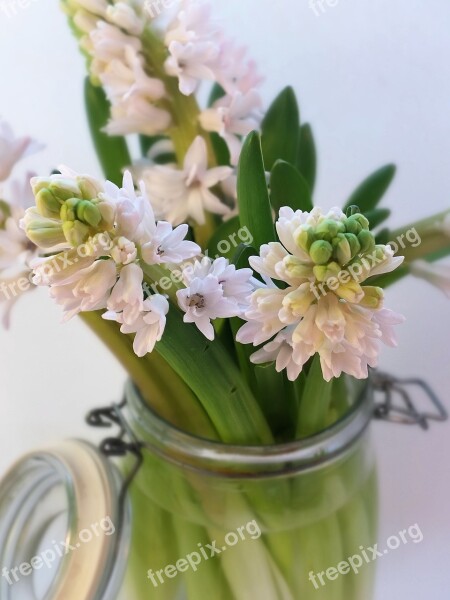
x,y
373,78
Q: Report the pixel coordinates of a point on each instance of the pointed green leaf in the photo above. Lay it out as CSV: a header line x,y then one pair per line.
x,y
217,92
221,150
225,239
280,129
377,216
254,205
112,152
371,191
289,188
307,156
213,376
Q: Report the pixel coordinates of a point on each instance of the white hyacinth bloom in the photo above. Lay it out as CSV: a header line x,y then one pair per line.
x,y
346,321
233,117
215,289
148,326
127,297
13,149
179,195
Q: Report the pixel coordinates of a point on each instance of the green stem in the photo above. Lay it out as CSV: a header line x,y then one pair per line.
x,y
159,384
185,114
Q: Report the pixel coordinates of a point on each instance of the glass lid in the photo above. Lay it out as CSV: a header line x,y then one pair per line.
x,y
64,533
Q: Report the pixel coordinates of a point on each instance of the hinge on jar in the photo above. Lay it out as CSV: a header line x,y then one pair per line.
x,y
395,390
118,445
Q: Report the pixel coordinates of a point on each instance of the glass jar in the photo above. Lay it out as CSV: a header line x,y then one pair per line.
x,y
205,520
243,523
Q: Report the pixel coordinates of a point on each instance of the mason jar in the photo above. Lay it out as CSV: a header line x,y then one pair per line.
x,y
200,520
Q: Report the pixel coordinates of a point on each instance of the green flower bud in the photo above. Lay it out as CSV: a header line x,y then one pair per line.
x,y
90,188
75,232
329,229
342,250
362,220
108,215
88,213
44,233
325,272
352,226
68,210
304,237
63,189
380,252
355,246
366,240
320,252
373,297
47,204
296,268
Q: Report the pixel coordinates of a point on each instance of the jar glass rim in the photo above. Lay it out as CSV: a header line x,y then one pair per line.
x,y
187,449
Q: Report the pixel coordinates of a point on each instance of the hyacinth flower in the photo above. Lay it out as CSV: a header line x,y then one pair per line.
x,y
17,252
251,343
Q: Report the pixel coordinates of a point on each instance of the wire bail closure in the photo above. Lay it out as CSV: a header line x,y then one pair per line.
x,y
118,445
406,413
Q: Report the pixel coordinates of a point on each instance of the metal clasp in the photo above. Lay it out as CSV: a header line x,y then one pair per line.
x,y
118,445
406,412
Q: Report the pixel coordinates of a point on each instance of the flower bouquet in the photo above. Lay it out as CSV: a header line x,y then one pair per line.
x,y
248,318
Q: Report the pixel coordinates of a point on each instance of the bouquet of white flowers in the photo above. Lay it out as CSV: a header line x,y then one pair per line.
x,y
242,312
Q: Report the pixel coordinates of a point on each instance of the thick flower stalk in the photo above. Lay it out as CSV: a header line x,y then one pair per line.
x,y
150,77
325,305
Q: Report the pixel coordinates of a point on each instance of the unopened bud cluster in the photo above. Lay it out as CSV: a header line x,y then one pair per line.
x,y
67,211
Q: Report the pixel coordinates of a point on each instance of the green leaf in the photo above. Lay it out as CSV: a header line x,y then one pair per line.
x,y
221,150
217,92
315,402
254,204
289,188
280,129
377,216
213,376
112,152
225,239
370,192
147,142
307,156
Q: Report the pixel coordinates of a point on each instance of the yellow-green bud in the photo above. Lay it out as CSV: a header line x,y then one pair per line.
x,y
352,225
76,233
88,213
43,232
373,297
108,214
355,246
296,268
90,188
321,252
68,210
325,272
304,237
342,250
362,220
329,229
47,204
64,189
366,240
